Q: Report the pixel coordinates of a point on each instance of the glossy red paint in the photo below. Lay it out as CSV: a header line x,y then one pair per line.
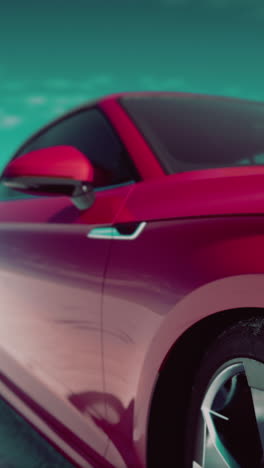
x,y
211,192
63,161
216,192
59,210
92,319
148,300
51,328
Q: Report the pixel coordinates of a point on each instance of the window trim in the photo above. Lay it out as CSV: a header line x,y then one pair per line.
x,y
157,144
71,113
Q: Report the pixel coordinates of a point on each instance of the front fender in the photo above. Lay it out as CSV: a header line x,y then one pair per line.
x,y
232,293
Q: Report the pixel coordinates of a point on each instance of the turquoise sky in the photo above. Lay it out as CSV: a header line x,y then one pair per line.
x,y
59,53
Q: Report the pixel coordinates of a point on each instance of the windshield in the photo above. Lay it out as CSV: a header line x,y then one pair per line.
x,y
199,132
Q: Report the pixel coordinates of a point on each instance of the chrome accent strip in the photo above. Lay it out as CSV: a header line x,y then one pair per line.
x,y
112,233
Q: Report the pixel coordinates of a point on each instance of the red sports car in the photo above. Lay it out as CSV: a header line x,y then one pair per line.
x,y
132,282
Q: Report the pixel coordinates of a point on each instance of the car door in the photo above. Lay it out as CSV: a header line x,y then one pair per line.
x,y
51,282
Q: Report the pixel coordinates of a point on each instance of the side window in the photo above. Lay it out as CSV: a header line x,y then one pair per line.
x,y
89,131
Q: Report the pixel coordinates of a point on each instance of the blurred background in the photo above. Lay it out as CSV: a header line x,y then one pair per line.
x,y
57,54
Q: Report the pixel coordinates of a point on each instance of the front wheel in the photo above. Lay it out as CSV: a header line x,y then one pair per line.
x,y
225,423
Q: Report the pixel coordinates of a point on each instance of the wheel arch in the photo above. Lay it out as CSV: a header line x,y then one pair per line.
x,y
169,398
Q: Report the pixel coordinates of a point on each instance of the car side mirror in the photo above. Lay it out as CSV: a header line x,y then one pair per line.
x,y
53,171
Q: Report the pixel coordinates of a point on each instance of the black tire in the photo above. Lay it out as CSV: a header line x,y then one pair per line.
x,y
243,342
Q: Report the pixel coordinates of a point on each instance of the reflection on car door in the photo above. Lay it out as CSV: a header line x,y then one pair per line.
x,y
51,279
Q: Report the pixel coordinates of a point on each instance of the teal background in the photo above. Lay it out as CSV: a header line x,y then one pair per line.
x,y
57,54
21,447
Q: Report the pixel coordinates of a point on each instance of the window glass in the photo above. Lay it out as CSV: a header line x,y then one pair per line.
x,y
190,132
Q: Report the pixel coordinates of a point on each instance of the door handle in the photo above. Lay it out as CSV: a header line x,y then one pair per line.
x,y
128,231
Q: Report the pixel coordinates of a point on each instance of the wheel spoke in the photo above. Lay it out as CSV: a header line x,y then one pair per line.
x,y
258,402
195,465
230,432
201,439
255,376
216,454
210,451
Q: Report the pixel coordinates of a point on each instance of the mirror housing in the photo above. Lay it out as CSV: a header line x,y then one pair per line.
x,y
53,171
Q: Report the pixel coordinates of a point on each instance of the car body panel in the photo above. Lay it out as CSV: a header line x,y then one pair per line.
x,y
94,300
51,277
149,300
210,192
59,210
